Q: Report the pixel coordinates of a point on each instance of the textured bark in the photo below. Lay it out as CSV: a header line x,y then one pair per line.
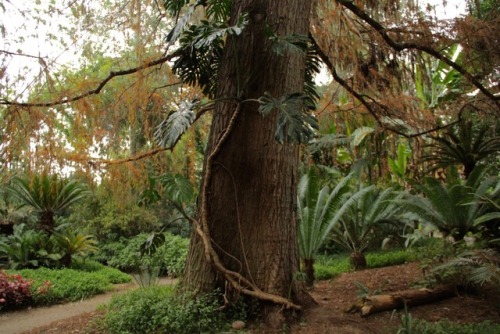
x,y
358,260
309,271
47,223
252,187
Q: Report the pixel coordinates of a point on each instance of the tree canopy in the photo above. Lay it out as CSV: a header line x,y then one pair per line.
x,y
148,76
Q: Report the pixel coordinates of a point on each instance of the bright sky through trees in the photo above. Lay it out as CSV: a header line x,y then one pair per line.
x,y
35,42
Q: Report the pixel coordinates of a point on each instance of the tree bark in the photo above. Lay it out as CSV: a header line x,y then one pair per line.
x,y
309,271
47,223
251,181
397,300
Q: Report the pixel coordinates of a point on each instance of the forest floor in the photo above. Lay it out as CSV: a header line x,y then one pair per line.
x,y
332,296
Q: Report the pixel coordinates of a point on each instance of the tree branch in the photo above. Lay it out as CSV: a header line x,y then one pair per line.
x,y
98,162
326,60
20,54
369,105
95,91
382,31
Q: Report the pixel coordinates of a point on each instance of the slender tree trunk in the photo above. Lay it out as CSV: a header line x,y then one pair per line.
x,y
251,191
309,271
357,260
47,223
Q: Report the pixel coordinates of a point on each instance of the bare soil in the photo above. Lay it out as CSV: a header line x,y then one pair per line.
x,y
333,296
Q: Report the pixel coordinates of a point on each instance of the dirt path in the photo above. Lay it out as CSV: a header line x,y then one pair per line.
x,y
25,320
333,296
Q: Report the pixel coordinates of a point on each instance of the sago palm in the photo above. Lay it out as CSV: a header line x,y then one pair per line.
x,y
70,242
316,209
47,195
361,218
465,144
455,208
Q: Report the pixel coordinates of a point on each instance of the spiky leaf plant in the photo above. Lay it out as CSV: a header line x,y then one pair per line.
x,y
455,208
316,209
47,195
466,144
361,217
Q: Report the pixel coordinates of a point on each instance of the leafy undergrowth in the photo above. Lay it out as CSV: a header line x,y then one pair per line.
x,y
160,310
83,280
329,266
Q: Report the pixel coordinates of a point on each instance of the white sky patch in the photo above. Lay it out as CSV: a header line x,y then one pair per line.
x,y
448,9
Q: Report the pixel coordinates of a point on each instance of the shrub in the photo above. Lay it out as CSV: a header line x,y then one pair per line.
x,y
330,266
125,254
470,269
15,291
27,248
128,221
389,258
112,275
158,310
67,284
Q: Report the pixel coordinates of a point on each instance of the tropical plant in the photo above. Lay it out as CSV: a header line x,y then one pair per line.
x,y
316,208
27,248
471,268
129,254
489,222
361,219
71,242
47,195
454,208
466,144
398,165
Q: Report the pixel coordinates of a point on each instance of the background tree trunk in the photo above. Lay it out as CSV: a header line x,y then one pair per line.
x,y
252,189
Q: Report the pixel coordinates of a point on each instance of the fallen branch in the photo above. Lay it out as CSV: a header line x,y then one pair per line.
x,y
398,300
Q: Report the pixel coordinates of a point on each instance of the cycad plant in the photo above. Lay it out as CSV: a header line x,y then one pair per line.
x,y
465,144
316,209
47,195
455,208
361,218
71,242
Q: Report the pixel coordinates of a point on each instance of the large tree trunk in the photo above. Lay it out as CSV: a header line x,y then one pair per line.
x,y
251,190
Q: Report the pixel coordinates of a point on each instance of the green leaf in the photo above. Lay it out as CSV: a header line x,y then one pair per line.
x,y
294,123
178,188
292,43
219,10
180,24
152,243
208,33
175,125
360,134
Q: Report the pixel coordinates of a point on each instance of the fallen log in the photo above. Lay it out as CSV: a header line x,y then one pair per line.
x,y
396,300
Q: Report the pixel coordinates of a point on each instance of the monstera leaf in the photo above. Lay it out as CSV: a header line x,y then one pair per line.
x,y
295,124
173,127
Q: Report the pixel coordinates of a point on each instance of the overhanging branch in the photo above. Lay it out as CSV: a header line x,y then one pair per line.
x,y
370,105
95,91
382,31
